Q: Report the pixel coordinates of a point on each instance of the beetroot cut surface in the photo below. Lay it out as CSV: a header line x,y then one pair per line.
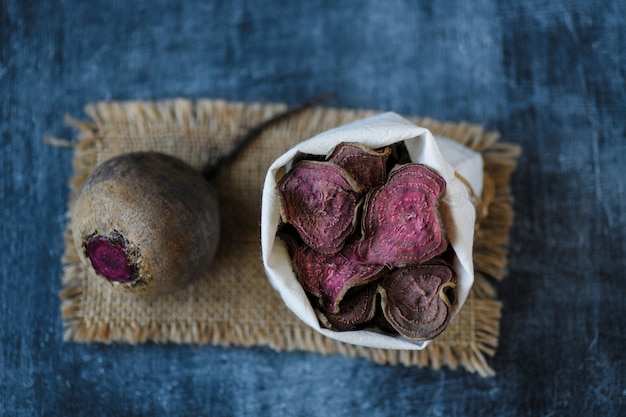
x,y
109,259
320,200
400,223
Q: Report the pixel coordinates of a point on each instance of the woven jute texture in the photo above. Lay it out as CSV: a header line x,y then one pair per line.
x,y
234,304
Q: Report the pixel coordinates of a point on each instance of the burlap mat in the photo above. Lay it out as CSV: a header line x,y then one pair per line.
x,y
235,304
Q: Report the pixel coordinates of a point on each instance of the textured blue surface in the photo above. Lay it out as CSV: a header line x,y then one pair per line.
x,y
549,76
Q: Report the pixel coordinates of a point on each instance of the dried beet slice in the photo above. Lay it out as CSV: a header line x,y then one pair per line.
x,y
320,200
367,166
401,224
416,300
329,277
290,238
355,310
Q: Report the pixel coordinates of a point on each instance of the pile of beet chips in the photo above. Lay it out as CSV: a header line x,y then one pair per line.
x,y
366,240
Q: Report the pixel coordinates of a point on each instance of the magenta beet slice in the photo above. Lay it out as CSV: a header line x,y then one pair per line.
x,y
109,259
329,277
400,223
416,299
367,166
357,308
320,200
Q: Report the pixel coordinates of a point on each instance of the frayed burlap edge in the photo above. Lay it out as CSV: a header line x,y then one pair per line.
x,y
494,219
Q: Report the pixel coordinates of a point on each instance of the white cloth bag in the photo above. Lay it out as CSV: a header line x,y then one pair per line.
x,y
457,211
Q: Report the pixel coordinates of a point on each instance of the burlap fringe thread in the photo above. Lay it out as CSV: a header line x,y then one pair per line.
x,y
222,121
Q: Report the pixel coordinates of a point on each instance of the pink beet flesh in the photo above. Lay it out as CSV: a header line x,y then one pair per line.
x,y
109,259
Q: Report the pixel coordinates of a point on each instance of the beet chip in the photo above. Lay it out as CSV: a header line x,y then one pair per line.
x,y
401,224
367,166
416,300
320,200
356,309
329,277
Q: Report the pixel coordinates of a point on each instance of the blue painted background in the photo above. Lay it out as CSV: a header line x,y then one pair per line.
x,y
550,76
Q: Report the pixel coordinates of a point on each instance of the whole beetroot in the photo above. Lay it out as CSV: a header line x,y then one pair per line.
x,y
146,223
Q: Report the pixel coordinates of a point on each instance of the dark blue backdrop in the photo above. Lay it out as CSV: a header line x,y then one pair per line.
x,y
549,76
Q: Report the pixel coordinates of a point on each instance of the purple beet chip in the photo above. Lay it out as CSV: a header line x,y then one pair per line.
x,y
329,277
416,300
320,200
367,166
401,224
357,308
